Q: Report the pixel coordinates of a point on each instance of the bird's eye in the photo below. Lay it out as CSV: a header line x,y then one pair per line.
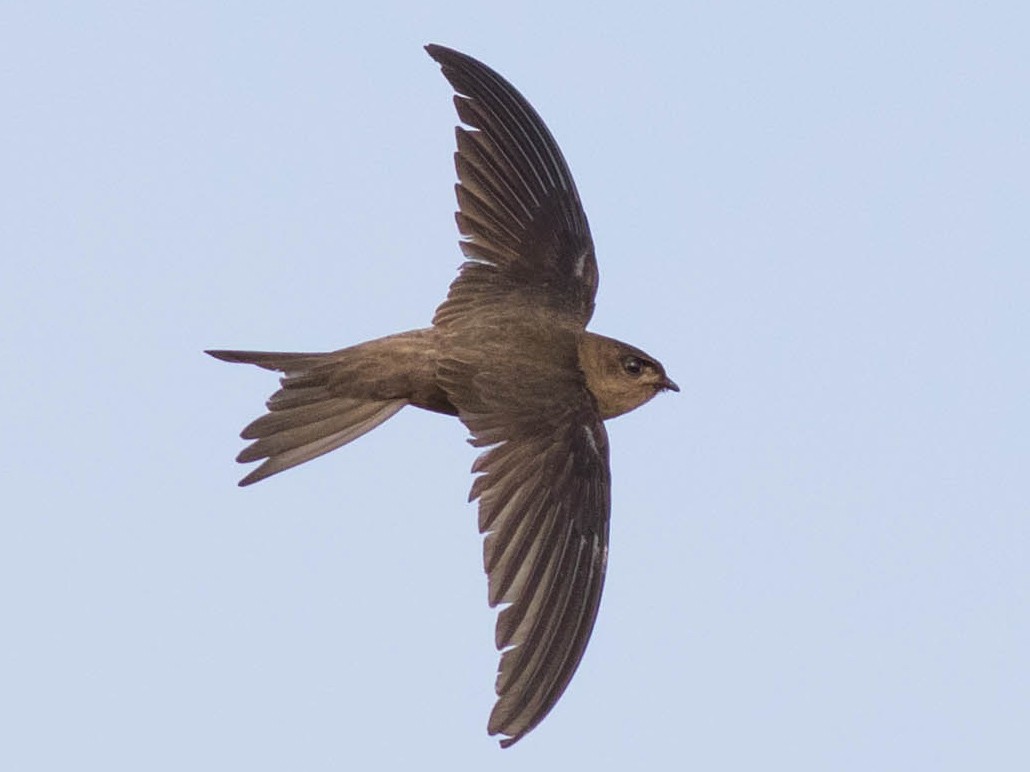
x,y
633,365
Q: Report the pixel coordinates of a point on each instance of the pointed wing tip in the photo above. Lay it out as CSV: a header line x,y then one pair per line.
x,y
438,52
450,57
510,739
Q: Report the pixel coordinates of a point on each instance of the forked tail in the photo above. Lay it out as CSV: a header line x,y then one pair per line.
x,y
311,414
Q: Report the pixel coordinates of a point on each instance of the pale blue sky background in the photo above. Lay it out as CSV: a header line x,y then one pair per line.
x,y
815,215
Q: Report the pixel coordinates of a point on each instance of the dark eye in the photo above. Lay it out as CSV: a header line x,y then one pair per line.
x,y
633,365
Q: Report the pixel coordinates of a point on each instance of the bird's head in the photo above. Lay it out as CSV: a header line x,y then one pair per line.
x,y
621,377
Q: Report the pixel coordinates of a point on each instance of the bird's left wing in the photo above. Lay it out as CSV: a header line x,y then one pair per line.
x,y
544,507
544,504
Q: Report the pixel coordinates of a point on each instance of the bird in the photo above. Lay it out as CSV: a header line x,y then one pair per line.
x,y
508,354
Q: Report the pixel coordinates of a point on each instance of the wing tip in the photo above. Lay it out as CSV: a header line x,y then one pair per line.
x,y
439,53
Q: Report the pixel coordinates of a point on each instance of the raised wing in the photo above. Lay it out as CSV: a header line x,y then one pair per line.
x,y
525,229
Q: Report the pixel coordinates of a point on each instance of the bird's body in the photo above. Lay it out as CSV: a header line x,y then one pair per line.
x,y
509,354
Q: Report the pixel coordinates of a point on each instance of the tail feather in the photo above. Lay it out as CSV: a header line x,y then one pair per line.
x,y
281,420
309,416
284,362
286,399
291,447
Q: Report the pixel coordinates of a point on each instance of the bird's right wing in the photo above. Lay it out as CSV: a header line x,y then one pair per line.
x,y
524,228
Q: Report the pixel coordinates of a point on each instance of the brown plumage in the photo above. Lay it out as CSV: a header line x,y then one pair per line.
x,y
509,354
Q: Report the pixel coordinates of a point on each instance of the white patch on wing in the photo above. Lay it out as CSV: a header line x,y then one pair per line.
x,y
581,263
589,432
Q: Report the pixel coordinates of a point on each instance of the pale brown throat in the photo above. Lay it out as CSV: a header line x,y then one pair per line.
x,y
620,376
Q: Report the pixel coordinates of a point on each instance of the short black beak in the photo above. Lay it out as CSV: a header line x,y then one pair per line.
x,y
668,384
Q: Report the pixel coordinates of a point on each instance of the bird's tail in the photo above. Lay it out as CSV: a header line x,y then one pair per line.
x,y
311,414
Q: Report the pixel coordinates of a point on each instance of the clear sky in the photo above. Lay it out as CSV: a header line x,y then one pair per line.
x,y
816,216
